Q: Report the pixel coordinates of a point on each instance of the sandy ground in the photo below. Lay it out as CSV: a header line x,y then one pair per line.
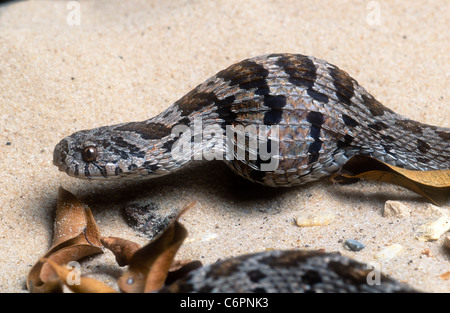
x,y
129,60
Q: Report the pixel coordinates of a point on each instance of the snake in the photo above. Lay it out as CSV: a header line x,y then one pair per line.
x,y
279,120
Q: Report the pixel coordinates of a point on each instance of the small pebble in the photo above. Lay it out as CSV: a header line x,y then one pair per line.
x,y
433,211
209,236
389,252
314,219
433,229
202,238
353,245
395,209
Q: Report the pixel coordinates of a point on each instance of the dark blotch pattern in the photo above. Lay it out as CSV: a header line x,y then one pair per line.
x,y
250,75
348,273
247,74
119,141
169,143
301,70
311,277
224,109
349,121
313,151
387,138
302,73
147,131
345,143
318,96
316,120
255,275
194,101
422,146
375,107
276,104
343,84
124,148
410,126
378,126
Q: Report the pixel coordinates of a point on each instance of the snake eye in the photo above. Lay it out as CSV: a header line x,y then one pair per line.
x,y
89,154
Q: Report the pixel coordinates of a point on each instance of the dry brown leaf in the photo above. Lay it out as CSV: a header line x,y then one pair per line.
x,y
75,236
84,285
434,185
123,249
179,264
149,266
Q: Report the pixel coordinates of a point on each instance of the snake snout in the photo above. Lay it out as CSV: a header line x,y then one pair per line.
x,y
59,154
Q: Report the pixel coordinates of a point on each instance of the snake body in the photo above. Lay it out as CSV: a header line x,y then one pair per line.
x,y
312,116
287,271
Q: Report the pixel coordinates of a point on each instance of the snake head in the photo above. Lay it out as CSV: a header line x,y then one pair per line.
x,y
101,153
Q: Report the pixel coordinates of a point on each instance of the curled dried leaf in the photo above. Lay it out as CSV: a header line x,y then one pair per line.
x,y
149,266
123,249
433,185
78,283
75,236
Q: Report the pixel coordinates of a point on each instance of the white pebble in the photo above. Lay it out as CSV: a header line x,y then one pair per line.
x,y
432,210
314,219
395,209
209,236
389,252
433,229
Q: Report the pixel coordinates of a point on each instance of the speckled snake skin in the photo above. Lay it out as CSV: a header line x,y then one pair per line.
x,y
321,115
287,271
313,117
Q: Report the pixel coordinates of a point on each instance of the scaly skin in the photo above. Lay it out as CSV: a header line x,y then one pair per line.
x,y
287,272
313,115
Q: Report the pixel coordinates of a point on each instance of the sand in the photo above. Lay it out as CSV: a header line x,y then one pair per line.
x,y
129,60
